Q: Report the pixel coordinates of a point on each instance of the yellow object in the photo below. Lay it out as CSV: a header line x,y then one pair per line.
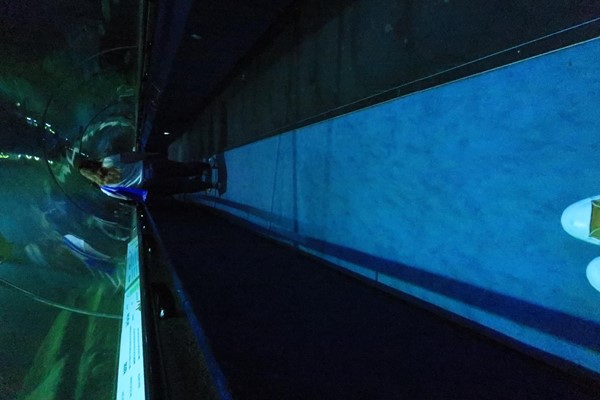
x,y
6,249
595,219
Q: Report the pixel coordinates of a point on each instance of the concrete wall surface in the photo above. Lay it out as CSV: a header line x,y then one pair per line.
x,y
334,54
452,195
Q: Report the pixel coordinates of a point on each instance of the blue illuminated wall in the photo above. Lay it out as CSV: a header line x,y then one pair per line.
x,y
452,195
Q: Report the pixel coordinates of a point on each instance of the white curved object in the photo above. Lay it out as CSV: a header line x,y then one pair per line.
x,y
593,273
575,220
84,249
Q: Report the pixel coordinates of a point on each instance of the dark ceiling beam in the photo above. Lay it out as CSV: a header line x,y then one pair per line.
x,y
170,19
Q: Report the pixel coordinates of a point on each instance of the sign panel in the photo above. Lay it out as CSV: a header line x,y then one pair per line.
x,y
131,382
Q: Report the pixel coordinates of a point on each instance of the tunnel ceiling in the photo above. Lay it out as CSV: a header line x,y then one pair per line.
x,y
189,64
69,63
76,65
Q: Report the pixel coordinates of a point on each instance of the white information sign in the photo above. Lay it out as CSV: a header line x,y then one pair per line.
x,y
131,383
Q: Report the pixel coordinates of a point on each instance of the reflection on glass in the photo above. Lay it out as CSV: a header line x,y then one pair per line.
x,y
68,78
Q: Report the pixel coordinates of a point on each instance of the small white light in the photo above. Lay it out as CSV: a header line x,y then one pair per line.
x,y
167,133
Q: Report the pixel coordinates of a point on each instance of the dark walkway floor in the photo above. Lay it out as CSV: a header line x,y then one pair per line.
x,y
282,326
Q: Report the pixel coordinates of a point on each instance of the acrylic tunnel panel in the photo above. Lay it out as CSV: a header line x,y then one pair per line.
x,y
453,195
67,90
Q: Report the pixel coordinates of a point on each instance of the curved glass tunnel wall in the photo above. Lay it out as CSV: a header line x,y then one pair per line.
x,y
67,90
